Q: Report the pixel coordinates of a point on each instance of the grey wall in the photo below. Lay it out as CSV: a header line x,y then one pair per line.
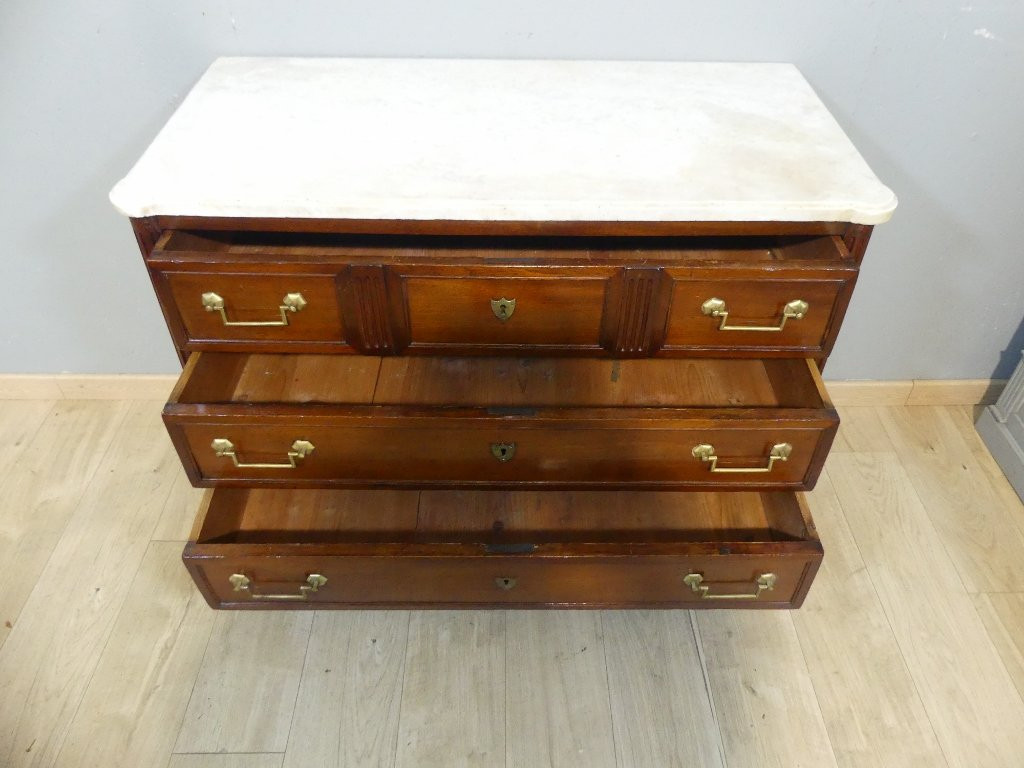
x,y
931,91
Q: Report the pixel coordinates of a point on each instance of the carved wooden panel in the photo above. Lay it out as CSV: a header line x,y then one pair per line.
x,y
635,312
374,322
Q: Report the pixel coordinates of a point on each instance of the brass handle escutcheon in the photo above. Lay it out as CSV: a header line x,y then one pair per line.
x,y
503,451
503,308
505,582
243,583
292,302
300,450
763,583
715,307
705,452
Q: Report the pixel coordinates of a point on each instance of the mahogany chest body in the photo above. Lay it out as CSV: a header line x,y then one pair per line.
x,y
437,354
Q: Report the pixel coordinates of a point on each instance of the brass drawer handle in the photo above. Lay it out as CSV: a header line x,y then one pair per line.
x,y
705,452
503,308
503,451
300,450
243,583
764,583
715,307
292,302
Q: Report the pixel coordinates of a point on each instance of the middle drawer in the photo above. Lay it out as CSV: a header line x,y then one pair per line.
x,y
420,422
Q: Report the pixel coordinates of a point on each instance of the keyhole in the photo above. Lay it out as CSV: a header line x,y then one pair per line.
x,y
503,451
505,582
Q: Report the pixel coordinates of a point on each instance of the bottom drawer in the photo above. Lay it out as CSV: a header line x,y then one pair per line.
x,y
472,549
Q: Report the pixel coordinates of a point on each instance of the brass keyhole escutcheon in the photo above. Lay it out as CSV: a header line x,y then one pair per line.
x,y
503,308
505,582
503,451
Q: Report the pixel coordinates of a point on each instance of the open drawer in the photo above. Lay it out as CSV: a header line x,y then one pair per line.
x,y
358,422
724,294
269,548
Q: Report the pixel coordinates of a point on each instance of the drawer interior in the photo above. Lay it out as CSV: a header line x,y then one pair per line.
x,y
500,383
329,247
498,520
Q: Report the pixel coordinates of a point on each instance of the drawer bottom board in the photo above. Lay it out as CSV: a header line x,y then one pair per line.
x,y
294,549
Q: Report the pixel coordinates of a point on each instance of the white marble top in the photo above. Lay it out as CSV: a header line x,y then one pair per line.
x,y
503,140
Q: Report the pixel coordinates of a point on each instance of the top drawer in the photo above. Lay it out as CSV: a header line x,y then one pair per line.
x,y
619,297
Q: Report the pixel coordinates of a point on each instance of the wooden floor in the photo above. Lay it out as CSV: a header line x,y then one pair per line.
x,y
909,650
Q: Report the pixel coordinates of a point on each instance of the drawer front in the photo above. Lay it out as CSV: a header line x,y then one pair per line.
x,y
282,581
504,312
432,452
795,315
260,308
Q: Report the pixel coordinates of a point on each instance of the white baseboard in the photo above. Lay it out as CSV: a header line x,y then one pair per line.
x,y
869,392
18,386
916,392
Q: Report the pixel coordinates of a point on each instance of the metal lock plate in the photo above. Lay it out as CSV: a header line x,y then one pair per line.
x,y
503,308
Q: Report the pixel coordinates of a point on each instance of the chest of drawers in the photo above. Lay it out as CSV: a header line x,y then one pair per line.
x,y
502,333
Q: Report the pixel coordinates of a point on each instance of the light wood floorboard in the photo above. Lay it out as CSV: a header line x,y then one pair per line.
x,y
767,709
51,653
963,419
661,709
55,466
19,421
978,526
453,696
179,511
245,691
132,710
346,714
908,651
860,431
1003,616
867,695
557,710
976,712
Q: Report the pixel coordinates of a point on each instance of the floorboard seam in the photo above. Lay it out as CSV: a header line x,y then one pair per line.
x,y
504,675
608,687
195,681
699,643
814,691
995,650
401,690
298,688
405,674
